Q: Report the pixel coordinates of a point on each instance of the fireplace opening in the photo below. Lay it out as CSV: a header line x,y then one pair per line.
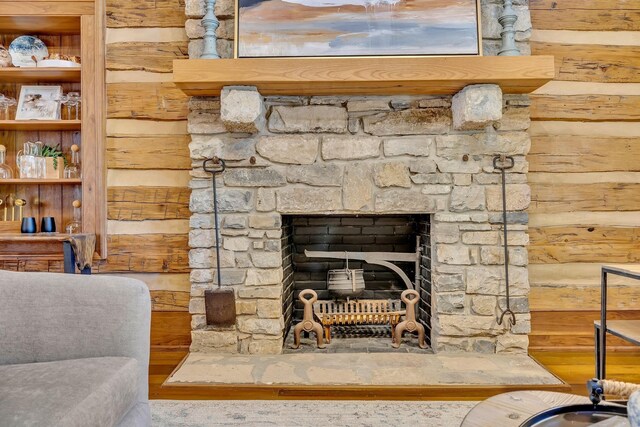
x,y
305,241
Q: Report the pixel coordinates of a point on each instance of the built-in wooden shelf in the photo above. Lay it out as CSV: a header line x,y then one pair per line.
x,y
40,125
35,237
36,75
363,76
34,181
16,23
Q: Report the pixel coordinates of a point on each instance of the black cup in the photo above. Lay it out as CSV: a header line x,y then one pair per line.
x,y
48,225
28,225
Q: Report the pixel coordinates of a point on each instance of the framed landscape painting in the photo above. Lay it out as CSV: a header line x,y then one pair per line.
x,y
334,28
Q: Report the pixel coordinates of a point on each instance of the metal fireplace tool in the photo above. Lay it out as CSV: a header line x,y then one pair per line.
x,y
220,304
502,163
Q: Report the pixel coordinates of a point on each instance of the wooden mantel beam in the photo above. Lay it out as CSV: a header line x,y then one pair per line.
x,y
363,76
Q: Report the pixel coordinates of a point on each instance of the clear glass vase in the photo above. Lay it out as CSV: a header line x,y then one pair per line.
x,y
5,170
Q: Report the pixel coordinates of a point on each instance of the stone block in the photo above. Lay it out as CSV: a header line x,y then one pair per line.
x,y
320,175
445,233
198,321
410,146
438,102
467,325
272,292
242,109
195,8
308,200
204,341
357,194
461,217
396,201
350,147
423,166
471,198
462,179
484,305
511,143
266,259
246,306
366,105
476,106
269,308
409,122
308,118
229,201
391,174
450,303
238,149
518,304
265,221
196,306
266,346
510,343
518,197
434,188
453,254
204,221
263,277
484,280
480,238
201,275
265,200
205,147
236,243
289,149
199,238
204,122
486,346
449,282
519,257
253,325
253,177
203,258
237,222
458,165
491,255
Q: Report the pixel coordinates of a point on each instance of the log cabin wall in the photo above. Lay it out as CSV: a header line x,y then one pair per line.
x,y
584,167
147,158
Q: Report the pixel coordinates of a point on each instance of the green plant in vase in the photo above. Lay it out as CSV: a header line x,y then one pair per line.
x,y
52,155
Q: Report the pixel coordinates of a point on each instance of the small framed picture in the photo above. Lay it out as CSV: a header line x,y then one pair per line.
x,y
39,103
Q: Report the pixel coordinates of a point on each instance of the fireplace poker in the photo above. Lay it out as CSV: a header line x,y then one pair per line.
x,y
502,163
220,305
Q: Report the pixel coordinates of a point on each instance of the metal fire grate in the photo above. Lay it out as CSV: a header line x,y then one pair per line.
x,y
357,312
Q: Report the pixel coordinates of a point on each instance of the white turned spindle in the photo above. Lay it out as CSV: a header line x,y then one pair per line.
x,y
210,23
508,20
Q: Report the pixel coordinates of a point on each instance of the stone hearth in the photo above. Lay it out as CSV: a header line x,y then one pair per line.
x,y
371,156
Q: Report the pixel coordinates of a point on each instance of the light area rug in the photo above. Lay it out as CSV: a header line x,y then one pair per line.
x,y
290,413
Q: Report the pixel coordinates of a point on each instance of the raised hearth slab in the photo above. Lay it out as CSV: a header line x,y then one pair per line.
x,y
287,374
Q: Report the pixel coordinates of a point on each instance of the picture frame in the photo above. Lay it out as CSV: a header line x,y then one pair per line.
x,y
39,103
357,28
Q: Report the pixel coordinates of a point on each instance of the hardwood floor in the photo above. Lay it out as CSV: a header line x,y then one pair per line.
x,y
574,367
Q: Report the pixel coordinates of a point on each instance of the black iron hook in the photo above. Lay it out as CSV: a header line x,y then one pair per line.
x,y
214,165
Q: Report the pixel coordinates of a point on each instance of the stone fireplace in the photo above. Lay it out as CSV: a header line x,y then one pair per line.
x,y
336,162
325,171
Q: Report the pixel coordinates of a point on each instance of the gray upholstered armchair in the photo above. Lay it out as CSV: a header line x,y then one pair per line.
x,y
74,350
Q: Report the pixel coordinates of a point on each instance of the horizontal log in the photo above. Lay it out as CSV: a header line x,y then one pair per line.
x,y
568,153
584,15
145,13
592,63
170,328
149,253
149,152
52,266
145,56
573,329
547,198
582,298
156,101
147,203
170,301
584,244
574,274
592,108
57,8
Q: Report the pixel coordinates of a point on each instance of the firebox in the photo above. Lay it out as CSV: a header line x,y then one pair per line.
x,y
306,238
